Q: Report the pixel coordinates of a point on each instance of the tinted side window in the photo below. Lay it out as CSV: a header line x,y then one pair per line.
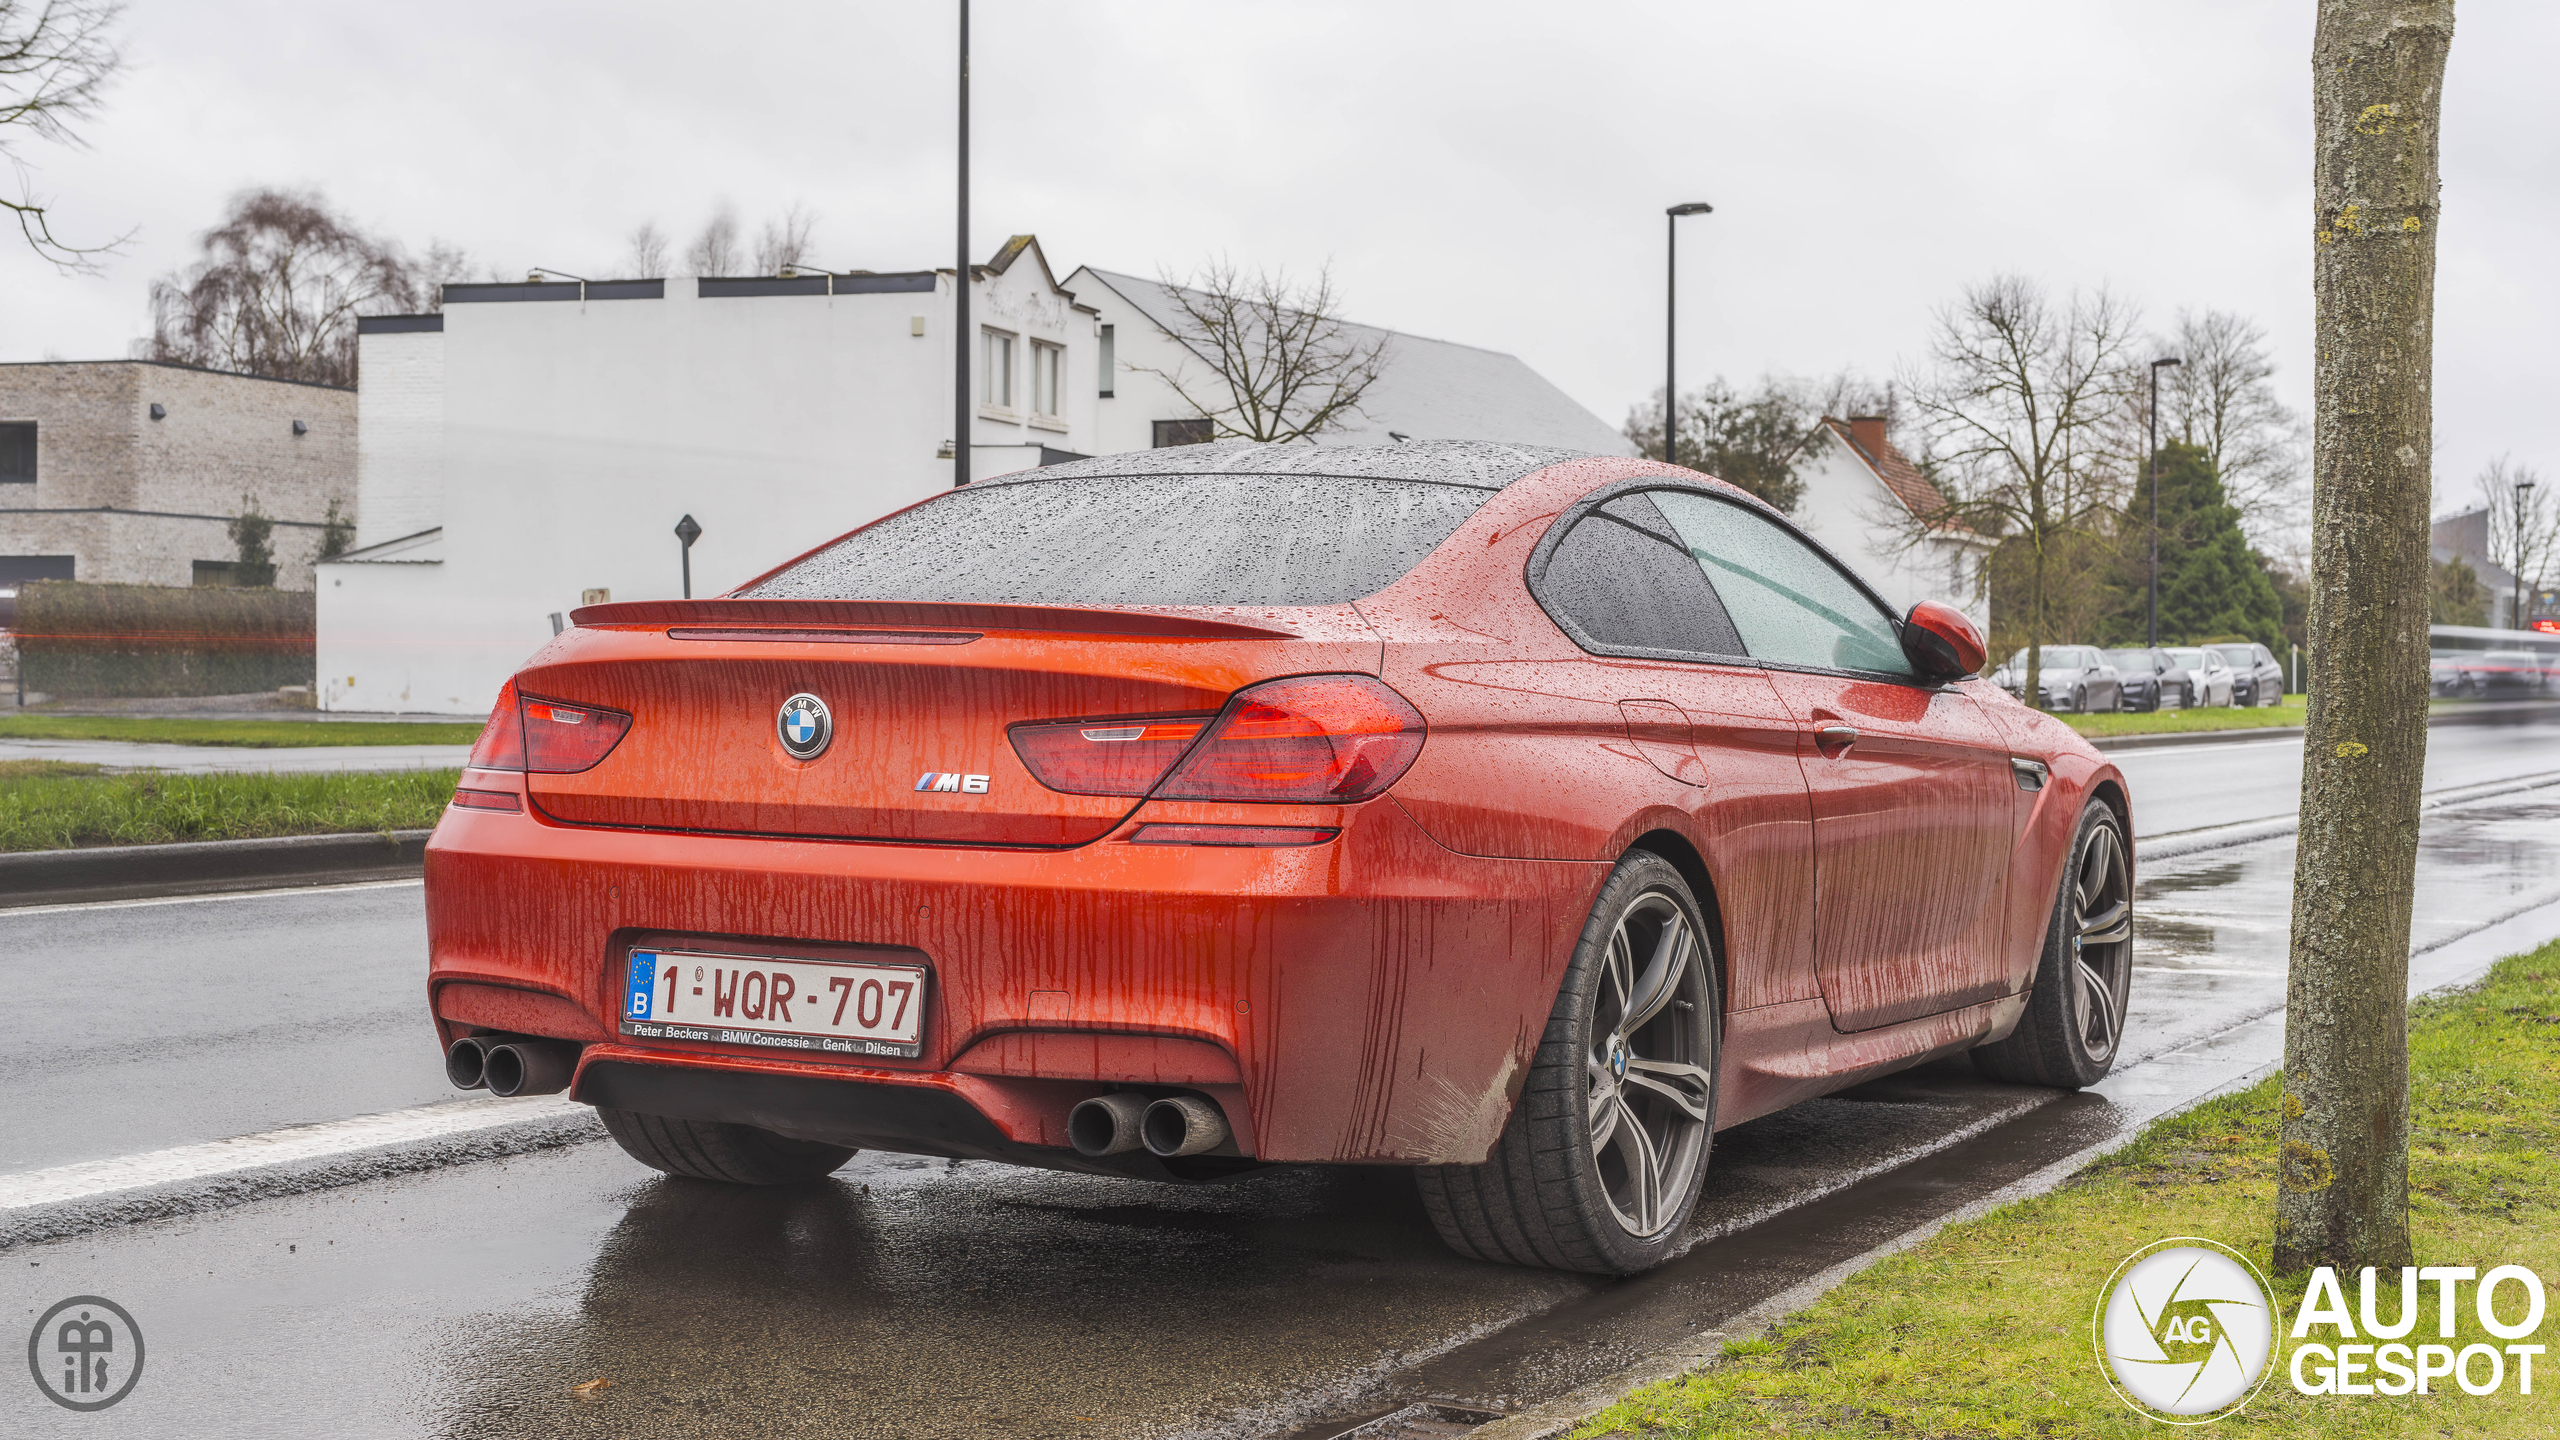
x,y
1623,579
1791,606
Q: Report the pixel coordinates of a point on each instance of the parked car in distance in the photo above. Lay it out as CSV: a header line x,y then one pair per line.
x,y
2151,680
2077,678
2256,678
2208,677
1080,818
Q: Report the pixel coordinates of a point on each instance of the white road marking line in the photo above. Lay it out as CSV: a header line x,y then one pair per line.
x,y
7,912
2197,970
90,1179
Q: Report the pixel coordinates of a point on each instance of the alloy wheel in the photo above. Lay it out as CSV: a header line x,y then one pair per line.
x,y
2101,943
1648,1099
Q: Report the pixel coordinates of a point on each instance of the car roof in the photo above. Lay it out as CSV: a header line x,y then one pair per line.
x,y
1476,464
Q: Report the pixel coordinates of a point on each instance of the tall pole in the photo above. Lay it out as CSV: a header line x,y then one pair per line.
x,y
1671,338
1671,326
2517,616
2152,459
961,347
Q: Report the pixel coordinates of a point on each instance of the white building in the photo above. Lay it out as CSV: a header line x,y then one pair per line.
x,y
1427,389
1868,504
533,447
536,444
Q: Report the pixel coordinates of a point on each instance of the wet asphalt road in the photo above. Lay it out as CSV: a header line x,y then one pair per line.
x,y
922,1298
2191,787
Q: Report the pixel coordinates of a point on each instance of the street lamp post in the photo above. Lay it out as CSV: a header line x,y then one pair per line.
x,y
2522,621
2153,460
1671,328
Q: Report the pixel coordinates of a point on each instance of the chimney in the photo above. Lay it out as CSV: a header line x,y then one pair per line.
x,y
1868,431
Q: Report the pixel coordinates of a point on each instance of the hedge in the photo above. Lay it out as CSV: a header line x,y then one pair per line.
x,y
80,639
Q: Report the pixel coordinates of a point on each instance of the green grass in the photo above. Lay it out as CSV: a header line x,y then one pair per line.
x,y
49,805
2171,722
1984,1330
257,734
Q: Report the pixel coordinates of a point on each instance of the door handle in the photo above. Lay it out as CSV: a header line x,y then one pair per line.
x,y
1834,740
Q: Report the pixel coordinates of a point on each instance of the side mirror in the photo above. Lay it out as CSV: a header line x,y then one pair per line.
x,y
1941,642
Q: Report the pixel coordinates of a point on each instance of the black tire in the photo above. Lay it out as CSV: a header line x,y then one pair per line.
x,y
1548,1195
2085,977
719,1150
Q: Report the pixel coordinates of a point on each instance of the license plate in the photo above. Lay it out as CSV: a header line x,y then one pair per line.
x,y
827,1006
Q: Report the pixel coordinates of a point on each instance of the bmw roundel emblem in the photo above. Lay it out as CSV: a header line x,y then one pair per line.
x,y
804,726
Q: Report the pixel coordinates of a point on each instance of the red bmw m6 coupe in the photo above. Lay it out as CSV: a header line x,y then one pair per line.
x,y
1517,816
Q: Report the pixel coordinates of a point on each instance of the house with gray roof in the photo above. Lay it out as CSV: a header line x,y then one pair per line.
x,y
1426,389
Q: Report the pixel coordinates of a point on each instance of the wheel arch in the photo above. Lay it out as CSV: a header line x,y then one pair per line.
x,y
1674,848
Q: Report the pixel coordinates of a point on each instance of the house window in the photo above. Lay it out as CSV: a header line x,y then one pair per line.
x,y
1048,368
995,370
18,453
17,568
1108,361
217,572
1183,432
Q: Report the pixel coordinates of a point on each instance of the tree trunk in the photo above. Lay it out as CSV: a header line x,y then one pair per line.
x,y
2377,80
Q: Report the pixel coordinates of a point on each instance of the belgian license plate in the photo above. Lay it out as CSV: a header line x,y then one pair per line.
x,y
827,1006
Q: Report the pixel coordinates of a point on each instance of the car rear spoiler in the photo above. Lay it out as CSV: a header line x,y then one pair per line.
x,y
921,614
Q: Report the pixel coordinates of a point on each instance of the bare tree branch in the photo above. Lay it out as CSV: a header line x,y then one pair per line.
x,y
784,242
648,252
1282,362
55,62
715,250
2526,549
2014,402
278,290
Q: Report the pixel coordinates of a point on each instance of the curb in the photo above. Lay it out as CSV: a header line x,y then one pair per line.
x,y
2490,713
126,872
37,1223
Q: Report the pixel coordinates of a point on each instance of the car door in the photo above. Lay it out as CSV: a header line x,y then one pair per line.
x,y
1914,800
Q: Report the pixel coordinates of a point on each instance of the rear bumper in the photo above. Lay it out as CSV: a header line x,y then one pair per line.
x,y
1373,999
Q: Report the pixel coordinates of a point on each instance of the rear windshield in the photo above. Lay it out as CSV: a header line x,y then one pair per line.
x,y
1142,540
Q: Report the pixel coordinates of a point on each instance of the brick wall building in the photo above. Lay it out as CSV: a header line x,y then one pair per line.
x,y
129,471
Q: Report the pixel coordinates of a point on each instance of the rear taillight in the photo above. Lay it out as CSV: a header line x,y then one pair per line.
x,y
1312,739
546,737
565,739
1125,756
501,742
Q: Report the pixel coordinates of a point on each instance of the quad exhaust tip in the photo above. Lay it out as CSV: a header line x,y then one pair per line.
x,y
1108,1124
510,1064
466,1062
529,1067
1184,1125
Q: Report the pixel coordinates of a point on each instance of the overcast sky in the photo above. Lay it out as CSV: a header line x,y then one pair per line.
x,y
1492,173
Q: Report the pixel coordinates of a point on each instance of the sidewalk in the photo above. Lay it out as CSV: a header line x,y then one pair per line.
x,y
122,755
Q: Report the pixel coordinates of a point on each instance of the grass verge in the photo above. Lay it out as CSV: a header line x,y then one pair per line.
x,y
2173,722
1985,1329
256,734
56,807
